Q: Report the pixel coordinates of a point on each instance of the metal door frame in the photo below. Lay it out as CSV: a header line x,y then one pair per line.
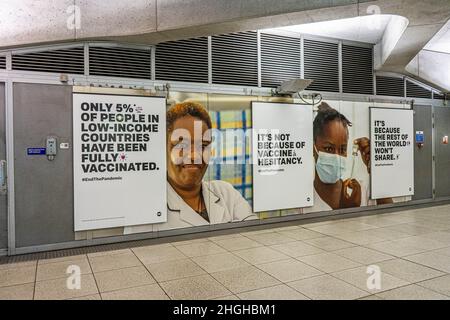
x,y
4,251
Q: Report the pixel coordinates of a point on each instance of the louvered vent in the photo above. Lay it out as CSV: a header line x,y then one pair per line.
x,y
321,60
438,96
415,91
357,70
120,62
235,59
70,60
280,59
183,60
2,62
390,86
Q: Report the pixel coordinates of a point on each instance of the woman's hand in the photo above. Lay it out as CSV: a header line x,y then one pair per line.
x,y
350,194
364,148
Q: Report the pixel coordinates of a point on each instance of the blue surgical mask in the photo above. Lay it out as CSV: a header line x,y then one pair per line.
x,y
330,167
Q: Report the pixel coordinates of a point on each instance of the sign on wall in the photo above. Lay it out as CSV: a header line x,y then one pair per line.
x,y
392,152
283,163
119,158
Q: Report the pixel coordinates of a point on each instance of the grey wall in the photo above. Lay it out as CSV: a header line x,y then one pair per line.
x,y
3,198
423,157
442,128
43,189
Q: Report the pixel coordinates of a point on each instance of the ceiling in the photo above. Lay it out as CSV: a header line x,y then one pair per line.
x,y
368,29
441,41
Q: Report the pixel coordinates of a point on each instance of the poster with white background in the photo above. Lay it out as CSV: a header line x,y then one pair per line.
x,y
282,155
119,160
392,152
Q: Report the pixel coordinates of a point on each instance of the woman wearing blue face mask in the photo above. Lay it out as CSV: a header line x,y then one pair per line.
x,y
330,131
332,190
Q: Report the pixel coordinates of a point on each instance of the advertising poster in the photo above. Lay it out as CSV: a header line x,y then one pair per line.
x,y
283,163
392,159
119,160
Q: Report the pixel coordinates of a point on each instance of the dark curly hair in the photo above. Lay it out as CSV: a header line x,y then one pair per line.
x,y
325,115
192,109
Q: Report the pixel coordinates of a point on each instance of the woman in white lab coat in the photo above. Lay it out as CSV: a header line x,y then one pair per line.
x,y
191,201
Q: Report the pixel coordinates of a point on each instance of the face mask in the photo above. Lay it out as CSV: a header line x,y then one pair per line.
x,y
330,167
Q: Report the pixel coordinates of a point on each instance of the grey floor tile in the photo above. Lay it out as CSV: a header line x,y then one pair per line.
x,y
363,255
57,289
411,229
114,261
326,287
90,297
230,297
359,238
18,292
62,269
441,236
301,234
289,270
408,271
62,259
260,255
244,279
123,278
279,292
271,238
233,244
441,284
297,249
329,243
411,292
395,248
18,265
149,292
329,262
200,249
105,253
360,278
220,262
432,260
387,234
443,251
156,254
171,270
11,277
195,288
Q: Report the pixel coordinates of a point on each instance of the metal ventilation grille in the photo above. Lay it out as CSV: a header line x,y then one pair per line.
x,y
2,62
183,60
390,86
235,59
415,91
120,62
438,96
321,60
280,59
357,70
70,60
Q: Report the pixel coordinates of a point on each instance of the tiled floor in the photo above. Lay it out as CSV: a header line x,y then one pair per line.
x,y
325,260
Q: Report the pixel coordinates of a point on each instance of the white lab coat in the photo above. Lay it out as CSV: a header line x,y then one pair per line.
x,y
223,203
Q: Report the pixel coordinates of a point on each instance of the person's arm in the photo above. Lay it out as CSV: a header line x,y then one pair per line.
x,y
364,148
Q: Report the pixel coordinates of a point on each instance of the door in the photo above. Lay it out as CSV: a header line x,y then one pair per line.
x,y
442,129
43,187
423,156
